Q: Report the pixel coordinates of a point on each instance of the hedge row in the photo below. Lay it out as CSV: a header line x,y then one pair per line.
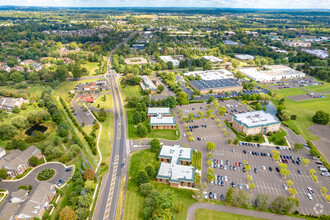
x,y
90,140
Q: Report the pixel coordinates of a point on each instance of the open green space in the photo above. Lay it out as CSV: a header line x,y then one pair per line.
x,y
276,138
46,174
169,134
305,110
105,103
131,91
197,160
207,214
105,143
134,202
319,88
91,67
33,89
290,91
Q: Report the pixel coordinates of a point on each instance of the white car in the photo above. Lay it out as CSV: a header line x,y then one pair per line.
x,y
211,182
309,196
247,187
285,187
310,190
214,196
226,178
263,167
221,162
205,195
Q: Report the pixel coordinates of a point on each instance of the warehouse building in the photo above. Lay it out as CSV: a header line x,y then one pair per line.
x,y
216,85
212,74
173,169
253,123
272,73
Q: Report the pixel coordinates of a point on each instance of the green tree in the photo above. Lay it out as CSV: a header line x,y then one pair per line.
x,y
7,131
282,205
161,88
155,145
68,214
210,174
298,146
262,202
16,109
210,146
150,170
321,117
230,195
20,122
142,177
170,102
33,161
258,106
3,174
146,188
142,130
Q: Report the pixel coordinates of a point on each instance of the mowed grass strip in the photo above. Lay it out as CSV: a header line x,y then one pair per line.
x,y
131,91
207,214
290,91
319,88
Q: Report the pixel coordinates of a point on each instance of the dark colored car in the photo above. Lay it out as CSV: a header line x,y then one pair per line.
x,y
68,169
270,168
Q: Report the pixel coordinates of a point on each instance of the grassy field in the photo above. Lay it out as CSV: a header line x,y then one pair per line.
x,y
207,214
305,110
131,91
35,89
105,143
108,104
91,67
169,134
290,92
319,88
134,202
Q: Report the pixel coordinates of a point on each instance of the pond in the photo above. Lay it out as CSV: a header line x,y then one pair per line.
x,y
270,108
36,127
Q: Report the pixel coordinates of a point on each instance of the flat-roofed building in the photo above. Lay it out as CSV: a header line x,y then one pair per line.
x,y
253,123
272,73
147,84
161,122
244,56
173,169
323,54
213,59
136,60
8,103
212,74
216,85
230,43
166,59
297,43
154,112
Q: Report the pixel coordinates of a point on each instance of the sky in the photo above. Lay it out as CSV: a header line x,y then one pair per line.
x,y
274,4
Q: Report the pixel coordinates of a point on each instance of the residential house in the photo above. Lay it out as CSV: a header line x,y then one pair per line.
x,y
8,103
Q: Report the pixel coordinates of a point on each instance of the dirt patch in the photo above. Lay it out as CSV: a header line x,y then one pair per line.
x,y
323,145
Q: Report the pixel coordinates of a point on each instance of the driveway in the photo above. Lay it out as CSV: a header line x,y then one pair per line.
x,y
31,178
264,215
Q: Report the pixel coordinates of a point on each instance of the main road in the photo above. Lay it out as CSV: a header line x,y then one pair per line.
x,y
106,204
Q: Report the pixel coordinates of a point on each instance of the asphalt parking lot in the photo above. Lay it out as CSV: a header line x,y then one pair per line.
x,y
271,182
291,83
80,114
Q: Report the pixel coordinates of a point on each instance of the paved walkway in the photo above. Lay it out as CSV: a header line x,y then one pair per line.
x,y
192,209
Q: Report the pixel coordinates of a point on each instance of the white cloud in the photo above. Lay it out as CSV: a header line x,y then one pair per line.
x,y
280,4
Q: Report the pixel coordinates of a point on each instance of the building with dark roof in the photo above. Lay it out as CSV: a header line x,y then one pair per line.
x,y
216,85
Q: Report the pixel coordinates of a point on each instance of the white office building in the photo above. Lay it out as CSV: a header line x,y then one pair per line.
x,y
212,74
170,59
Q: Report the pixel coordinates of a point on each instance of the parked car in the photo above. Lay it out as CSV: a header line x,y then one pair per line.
x,y
240,186
270,168
222,197
210,195
285,187
255,170
309,196
299,172
233,184
310,190
68,169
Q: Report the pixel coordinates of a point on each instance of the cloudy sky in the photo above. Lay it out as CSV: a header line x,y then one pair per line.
x,y
280,4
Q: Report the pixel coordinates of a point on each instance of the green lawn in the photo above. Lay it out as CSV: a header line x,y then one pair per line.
x,y
131,91
105,143
107,104
134,202
275,137
35,89
319,88
207,214
290,91
305,110
197,160
169,134
91,67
